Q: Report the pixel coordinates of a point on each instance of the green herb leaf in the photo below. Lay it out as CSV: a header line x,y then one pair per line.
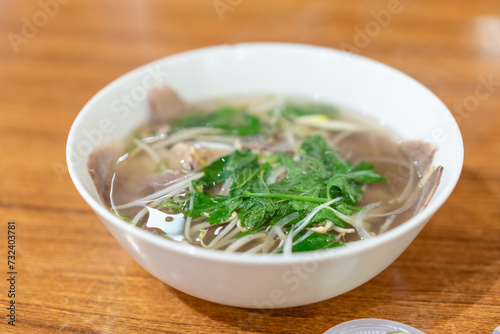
x,y
233,121
220,208
316,241
221,169
296,110
317,147
316,177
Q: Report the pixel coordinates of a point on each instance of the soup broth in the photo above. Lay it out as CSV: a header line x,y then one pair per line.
x,y
263,174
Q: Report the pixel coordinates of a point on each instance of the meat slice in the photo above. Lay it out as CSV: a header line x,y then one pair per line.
x,y
101,167
420,152
180,158
119,181
187,158
209,155
162,180
167,106
429,188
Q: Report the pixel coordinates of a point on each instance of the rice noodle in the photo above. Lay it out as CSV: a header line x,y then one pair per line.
x,y
328,124
228,239
226,186
302,238
323,228
341,136
274,104
139,215
187,224
347,219
385,226
169,195
255,249
163,192
285,220
240,242
199,227
360,220
280,234
184,135
270,240
222,233
276,230
287,247
147,149
410,184
277,248
241,227
409,203
214,146
342,229
229,140
143,212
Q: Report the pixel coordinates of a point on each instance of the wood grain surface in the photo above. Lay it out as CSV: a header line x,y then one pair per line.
x,y
72,276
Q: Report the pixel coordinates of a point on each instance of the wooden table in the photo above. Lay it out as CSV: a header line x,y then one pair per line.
x,y
72,276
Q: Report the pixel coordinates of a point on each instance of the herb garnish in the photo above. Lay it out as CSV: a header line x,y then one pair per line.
x,y
232,121
317,176
298,110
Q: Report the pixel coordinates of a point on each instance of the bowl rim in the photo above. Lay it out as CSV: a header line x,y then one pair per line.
x,y
261,259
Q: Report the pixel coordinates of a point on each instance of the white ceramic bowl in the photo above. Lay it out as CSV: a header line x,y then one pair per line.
x,y
258,281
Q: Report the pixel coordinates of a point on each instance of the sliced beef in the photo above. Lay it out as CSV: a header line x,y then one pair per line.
x,y
162,180
101,167
167,106
185,157
429,188
420,152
